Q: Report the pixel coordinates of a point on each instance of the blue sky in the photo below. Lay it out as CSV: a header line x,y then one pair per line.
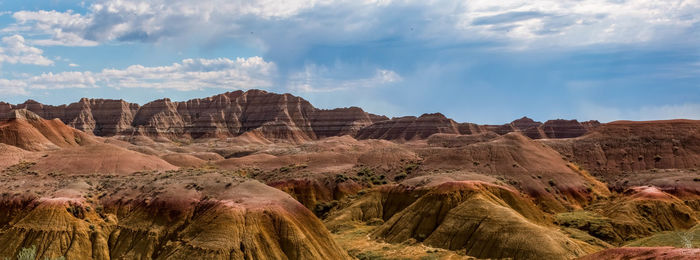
x,y
474,61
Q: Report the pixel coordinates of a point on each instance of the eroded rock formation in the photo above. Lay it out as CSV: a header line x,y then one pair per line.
x,y
271,117
275,116
198,215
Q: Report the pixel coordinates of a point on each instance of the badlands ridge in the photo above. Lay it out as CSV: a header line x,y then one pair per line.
x,y
259,175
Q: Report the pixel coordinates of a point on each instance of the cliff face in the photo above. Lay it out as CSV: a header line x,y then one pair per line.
x,y
410,127
275,116
623,146
271,116
558,128
102,117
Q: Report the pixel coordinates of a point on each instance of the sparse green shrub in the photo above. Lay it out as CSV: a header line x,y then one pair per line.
x,y
400,176
340,178
322,208
365,172
409,168
30,254
552,183
27,253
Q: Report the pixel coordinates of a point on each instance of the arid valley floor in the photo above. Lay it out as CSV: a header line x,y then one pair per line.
x,y
259,175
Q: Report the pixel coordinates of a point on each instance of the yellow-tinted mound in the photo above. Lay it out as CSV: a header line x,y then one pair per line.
x,y
480,219
638,213
174,215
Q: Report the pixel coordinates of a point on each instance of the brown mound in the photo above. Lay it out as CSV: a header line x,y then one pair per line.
x,y
625,146
183,160
639,253
208,156
99,158
11,155
28,131
189,215
528,165
453,140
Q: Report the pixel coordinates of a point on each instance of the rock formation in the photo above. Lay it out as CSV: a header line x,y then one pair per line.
x,y
481,219
26,130
534,168
409,127
202,215
270,116
558,128
275,116
624,146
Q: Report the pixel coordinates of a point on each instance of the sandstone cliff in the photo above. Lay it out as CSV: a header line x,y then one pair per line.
x,y
274,116
409,127
624,146
271,117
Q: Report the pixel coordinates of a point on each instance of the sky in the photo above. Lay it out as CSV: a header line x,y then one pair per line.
x,y
480,61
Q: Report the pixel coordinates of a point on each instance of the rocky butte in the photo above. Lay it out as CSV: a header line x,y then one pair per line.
x,y
272,116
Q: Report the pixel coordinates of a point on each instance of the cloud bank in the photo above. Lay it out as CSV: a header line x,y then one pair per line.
x,y
520,24
190,74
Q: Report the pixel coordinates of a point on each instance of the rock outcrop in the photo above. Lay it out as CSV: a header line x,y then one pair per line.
x,y
661,253
190,215
102,117
625,146
274,116
410,128
558,128
561,128
271,117
481,219
25,129
534,168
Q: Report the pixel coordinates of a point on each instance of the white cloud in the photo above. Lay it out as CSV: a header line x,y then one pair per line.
x,y
520,23
73,65
575,23
64,28
13,87
321,79
14,50
190,74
